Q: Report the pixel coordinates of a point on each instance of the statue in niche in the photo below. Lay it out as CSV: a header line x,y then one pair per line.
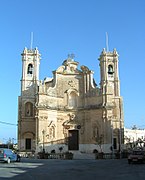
x,y
52,132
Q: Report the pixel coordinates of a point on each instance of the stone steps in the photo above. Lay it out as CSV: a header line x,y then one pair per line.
x,y
79,155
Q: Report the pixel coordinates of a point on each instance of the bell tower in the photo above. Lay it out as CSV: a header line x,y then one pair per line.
x,y
111,100
27,99
30,68
110,83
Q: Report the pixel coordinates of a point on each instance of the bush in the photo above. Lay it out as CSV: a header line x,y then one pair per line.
x,y
42,155
53,151
68,155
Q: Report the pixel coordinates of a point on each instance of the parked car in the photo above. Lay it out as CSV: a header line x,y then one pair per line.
x,y
136,156
7,155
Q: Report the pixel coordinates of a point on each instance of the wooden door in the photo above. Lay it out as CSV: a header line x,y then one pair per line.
x,y
73,140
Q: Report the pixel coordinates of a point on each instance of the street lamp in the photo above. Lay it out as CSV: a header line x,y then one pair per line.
x,y
112,139
43,132
120,138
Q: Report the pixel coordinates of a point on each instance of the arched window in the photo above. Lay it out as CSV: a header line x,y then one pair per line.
x,y
29,109
30,69
110,69
72,100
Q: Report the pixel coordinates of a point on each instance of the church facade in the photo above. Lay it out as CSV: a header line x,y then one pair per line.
x,y
69,112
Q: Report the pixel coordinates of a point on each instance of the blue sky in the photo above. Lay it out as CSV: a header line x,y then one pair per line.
x,y
61,27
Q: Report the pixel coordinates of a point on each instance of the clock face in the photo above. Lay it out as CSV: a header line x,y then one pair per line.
x,y
110,76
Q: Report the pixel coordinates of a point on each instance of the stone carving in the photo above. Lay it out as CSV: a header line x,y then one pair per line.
x,y
85,69
43,118
72,123
71,118
60,69
71,83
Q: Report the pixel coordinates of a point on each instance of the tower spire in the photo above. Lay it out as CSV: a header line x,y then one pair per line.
x,y
107,44
31,45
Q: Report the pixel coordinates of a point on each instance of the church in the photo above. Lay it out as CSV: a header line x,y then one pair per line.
x,y
70,112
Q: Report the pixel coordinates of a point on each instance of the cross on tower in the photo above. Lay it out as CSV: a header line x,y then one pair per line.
x,y
71,56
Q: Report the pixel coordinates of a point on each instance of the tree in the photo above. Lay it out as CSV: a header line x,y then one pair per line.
x,y
99,141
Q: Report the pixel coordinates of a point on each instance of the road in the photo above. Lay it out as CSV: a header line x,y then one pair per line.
x,y
39,169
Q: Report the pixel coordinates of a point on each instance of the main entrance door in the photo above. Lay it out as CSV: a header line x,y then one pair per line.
x,y
28,143
73,140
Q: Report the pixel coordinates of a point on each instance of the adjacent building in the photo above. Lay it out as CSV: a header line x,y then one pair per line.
x,y
70,111
134,138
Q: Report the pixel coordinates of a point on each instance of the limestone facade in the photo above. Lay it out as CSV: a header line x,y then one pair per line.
x,y
69,111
